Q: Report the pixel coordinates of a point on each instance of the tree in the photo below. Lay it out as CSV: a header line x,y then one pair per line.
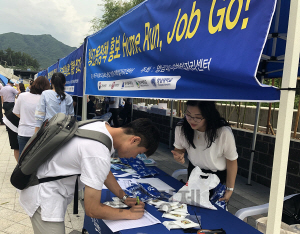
x,y
113,9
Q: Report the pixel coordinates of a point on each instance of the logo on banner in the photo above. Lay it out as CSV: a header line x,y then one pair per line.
x,y
153,82
113,85
141,83
128,84
123,85
99,85
164,81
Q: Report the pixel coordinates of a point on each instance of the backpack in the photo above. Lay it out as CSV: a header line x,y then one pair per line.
x,y
291,210
41,147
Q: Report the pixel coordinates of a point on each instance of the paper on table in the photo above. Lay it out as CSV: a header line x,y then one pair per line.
x,y
157,183
117,225
124,183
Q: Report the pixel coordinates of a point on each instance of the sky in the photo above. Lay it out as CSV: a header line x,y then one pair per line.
x,y
67,21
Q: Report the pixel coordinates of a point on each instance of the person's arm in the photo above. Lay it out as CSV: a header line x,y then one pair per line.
x,y
112,184
40,112
232,167
95,209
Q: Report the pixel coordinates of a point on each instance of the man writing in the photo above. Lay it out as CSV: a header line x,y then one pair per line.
x,y
46,203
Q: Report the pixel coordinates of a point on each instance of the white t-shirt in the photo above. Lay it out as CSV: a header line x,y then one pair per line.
x,y
82,156
116,103
212,158
25,107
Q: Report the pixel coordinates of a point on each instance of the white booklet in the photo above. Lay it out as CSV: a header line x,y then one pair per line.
x,y
117,225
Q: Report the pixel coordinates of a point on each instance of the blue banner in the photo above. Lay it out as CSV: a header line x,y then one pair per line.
x,y
204,49
43,73
51,70
72,67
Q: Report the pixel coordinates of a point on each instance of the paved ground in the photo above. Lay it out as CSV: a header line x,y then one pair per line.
x,y
14,220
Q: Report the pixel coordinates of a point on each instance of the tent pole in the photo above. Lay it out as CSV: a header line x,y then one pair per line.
x,y
171,125
285,116
253,141
84,97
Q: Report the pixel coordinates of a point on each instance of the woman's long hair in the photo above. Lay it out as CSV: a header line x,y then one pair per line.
x,y
212,118
39,85
22,87
58,80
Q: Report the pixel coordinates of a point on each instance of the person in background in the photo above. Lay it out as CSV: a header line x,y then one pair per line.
x,y
30,83
25,108
8,94
91,107
209,142
114,109
125,115
21,89
54,101
77,104
1,114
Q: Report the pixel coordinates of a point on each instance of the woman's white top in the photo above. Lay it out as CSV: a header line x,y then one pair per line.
x,y
212,158
25,107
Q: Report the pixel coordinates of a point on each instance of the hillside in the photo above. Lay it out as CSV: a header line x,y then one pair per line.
x,y
45,48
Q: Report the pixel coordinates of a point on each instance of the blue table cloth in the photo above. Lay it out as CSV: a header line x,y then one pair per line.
x,y
210,219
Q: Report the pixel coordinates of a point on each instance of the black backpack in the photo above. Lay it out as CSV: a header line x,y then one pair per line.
x,y
52,135
291,210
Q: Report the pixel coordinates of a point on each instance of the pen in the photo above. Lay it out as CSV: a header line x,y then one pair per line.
x,y
137,200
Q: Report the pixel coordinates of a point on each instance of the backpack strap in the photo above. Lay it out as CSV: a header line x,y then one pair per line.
x,y
94,135
88,121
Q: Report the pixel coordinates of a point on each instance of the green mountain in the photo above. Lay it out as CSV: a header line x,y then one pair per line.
x,y
44,48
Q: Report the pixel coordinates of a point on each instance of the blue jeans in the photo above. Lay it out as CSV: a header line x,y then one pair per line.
x,y
22,142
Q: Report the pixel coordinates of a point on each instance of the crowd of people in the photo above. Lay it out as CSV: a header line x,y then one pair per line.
x,y
202,135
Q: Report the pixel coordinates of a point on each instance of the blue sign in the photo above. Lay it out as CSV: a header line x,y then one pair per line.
x,y
72,67
51,70
43,73
204,49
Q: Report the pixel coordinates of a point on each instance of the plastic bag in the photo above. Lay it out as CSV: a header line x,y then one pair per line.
x,y
196,190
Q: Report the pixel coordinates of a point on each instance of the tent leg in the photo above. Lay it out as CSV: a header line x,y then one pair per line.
x,y
285,115
253,141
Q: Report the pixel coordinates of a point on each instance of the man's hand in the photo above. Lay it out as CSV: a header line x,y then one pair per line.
x,y
137,211
178,156
130,201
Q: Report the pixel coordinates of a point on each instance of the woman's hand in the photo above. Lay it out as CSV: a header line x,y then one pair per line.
x,y
227,196
178,156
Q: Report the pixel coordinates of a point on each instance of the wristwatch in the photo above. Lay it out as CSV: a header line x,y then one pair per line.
x,y
124,198
230,189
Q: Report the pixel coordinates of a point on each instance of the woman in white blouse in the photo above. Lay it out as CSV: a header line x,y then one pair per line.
x,y
25,109
209,142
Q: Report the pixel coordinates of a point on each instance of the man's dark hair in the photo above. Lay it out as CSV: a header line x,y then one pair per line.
x,y
39,85
147,131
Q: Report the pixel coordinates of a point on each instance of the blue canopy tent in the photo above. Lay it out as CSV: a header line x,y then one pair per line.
x,y
43,73
72,67
171,49
3,79
52,69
